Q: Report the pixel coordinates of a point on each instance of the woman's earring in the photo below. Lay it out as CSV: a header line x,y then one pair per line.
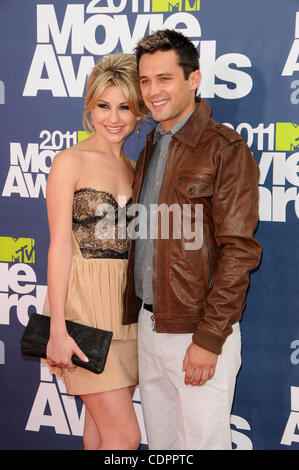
x,y
138,127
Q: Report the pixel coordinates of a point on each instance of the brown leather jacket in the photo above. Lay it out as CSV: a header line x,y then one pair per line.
x,y
203,291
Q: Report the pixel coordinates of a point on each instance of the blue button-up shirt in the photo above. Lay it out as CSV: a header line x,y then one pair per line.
x,y
149,196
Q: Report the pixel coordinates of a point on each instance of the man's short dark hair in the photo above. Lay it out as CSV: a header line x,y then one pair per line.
x,y
167,40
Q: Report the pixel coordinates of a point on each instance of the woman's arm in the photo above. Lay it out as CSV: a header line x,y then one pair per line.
x,y
60,190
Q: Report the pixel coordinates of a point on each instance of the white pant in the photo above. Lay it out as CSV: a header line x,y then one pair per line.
x,y
179,416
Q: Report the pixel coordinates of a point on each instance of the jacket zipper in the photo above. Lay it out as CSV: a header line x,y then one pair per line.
x,y
146,150
208,260
153,317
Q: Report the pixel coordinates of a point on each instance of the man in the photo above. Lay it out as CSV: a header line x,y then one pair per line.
x,y
190,301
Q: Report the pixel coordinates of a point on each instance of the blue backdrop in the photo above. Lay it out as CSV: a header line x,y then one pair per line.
x,y
250,65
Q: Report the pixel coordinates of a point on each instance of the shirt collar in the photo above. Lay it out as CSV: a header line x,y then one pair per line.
x,y
159,132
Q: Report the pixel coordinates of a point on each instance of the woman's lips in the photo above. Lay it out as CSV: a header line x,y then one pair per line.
x,y
113,130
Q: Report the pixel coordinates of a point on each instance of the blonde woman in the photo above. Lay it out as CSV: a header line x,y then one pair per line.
x,y
86,271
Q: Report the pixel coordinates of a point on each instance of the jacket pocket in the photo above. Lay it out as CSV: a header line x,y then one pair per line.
x,y
195,184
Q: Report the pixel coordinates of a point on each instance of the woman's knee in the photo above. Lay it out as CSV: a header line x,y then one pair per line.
x,y
134,440
122,439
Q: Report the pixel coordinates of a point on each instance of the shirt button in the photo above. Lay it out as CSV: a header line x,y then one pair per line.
x,y
149,268
157,184
164,156
147,296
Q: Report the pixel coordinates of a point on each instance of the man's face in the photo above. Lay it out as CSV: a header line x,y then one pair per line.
x,y
165,91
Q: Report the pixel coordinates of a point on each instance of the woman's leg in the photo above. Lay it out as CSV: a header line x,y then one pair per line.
x,y
114,417
91,438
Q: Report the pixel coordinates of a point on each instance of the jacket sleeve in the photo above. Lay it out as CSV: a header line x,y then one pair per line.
x,y
235,214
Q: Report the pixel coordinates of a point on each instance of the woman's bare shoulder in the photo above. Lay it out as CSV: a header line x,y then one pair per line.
x,y
66,167
69,157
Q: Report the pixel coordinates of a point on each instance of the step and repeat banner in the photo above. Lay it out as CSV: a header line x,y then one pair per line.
x,y
249,54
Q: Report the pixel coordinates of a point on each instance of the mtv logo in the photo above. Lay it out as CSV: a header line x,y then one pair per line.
x,y
175,5
21,250
83,135
287,136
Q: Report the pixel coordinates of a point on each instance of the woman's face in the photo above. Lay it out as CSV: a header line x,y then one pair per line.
x,y
112,117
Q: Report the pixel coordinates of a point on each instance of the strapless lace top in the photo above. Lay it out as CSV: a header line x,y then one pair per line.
x,y
100,224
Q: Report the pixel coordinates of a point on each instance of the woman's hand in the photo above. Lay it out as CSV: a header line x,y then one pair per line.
x,y
60,350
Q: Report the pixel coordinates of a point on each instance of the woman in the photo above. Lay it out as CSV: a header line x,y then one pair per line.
x,y
86,268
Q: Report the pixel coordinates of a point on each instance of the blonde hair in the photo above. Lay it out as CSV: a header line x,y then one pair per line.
x,y
113,70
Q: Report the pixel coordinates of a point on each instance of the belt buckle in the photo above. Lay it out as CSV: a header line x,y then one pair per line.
x,y
150,308
153,318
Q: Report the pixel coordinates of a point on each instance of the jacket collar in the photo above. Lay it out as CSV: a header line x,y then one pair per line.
x,y
193,129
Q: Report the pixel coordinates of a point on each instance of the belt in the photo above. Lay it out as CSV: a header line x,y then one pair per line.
x,y
148,307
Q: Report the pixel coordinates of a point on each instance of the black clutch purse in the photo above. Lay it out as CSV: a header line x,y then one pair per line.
x,y
93,342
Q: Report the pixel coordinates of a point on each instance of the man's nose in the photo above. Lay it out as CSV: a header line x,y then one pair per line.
x,y
155,88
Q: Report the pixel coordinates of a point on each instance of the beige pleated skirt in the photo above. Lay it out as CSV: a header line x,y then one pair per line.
x,y
94,298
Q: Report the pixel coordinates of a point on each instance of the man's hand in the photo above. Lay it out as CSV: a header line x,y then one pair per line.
x,y
199,365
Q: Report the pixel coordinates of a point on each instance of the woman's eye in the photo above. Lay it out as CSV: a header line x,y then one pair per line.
x,y
125,106
103,106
